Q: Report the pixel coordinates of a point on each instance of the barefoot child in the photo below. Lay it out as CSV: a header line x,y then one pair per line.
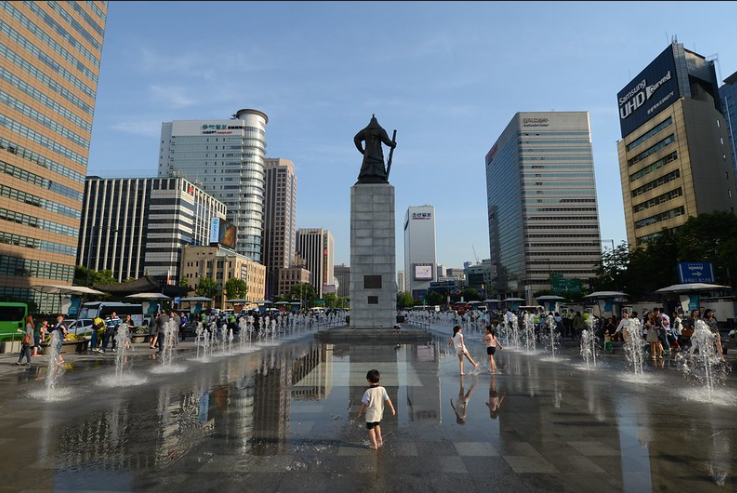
x,y
491,344
372,404
460,346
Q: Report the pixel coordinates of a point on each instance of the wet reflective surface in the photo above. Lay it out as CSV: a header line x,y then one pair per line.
x,y
282,417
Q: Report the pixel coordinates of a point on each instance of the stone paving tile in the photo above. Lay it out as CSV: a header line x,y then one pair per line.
x,y
475,449
594,449
529,464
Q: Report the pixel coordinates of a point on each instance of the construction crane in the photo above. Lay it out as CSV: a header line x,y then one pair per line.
x,y
474,254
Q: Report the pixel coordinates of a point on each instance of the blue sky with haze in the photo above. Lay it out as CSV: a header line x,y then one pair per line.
x,y
449,76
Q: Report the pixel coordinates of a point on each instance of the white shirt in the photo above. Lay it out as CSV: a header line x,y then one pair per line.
x,y
374,398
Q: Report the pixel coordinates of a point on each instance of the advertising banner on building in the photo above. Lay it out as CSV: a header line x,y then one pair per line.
x,y
222,233
653,90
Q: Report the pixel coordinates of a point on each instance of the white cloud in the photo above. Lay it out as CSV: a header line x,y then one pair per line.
x,y
147,128
174,97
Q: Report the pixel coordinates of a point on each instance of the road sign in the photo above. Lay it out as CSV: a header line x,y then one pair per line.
x,y
690,272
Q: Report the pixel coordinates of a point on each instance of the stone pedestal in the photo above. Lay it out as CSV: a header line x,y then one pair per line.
x,y
373,257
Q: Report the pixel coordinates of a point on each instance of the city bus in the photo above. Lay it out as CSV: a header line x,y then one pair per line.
x,y
102,309
12,318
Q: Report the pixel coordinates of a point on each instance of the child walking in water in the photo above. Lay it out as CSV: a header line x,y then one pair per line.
x,y
491,344
372,403
461,350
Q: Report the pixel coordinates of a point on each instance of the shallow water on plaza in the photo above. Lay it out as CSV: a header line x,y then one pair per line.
x,y
291,408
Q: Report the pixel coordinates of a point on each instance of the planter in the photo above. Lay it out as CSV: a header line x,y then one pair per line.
x,y
67,347
139,338
9,346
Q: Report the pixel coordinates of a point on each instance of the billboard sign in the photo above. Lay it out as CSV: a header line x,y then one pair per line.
x,y
653,90
222,233
423,272
690,272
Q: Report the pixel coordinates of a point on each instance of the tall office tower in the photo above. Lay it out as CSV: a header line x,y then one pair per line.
x,y
316,247
541,198
674,156
728,97
139,226
226,159
280,220
420,253
343,276
49,66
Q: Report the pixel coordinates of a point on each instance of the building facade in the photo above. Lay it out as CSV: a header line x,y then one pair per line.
x,y
221,264
728,97
401,280
343,277
280,220
420,251
291,276
50,62
316,247
674,156
139,226
226,159
541,195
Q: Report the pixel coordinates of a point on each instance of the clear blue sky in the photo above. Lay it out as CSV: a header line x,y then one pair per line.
x,y
449,76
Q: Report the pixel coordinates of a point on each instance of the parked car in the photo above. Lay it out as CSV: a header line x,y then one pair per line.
x,y
79,326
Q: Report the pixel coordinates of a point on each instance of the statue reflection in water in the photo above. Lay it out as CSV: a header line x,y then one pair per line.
x,y
461,405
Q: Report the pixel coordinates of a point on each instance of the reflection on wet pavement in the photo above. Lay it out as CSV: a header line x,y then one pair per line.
x,y
284,418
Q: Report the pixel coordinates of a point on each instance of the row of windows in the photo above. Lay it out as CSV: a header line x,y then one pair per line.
x,y
37,201
99,13
560,209
673,175
652,236
585,191
656,165
567,226
564,236
658,200
15,266
590,244
557,166
39,181
666,123
41,77
545,134
36,137
556,175
554,141
28,24
89,20
563,218
35,222
47,60
652,150
590,159
26,110
46,246
44,99
558,150
558,201
33,49
73,22
563,254
678,211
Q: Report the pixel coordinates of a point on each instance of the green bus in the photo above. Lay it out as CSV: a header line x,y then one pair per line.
x,y
12,318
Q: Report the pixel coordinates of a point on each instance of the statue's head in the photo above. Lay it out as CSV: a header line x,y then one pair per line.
x,y
374,122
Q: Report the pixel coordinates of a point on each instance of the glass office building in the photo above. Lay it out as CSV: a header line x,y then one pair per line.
x,y
49,66
226,159
728,96
541,196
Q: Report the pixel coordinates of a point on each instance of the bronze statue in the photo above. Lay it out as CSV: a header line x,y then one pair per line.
x,y
372,168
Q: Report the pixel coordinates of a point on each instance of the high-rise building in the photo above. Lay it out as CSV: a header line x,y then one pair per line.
x,y
139,226
280,220
316,247
49,66
343,277
674,156
541,196
728,96
420,253
226,159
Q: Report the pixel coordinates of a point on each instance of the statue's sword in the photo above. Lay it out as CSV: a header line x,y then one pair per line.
x,y
391,153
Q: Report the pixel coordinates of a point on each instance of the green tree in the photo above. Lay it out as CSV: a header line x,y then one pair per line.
x,y
236,288
207,287
470,294
331,300
303,292
405,299
183,282
611,272
434,298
